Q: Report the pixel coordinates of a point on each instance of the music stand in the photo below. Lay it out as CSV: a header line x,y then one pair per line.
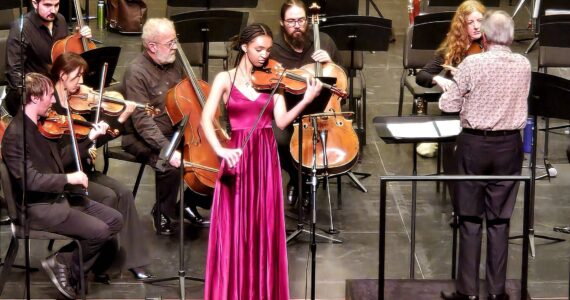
x,y
9,4
331,8
206,26
548,98
351,33
164,157
451,5
318,105
98,57
213,3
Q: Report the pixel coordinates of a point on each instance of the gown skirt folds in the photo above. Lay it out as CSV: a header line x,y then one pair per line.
x,y
247,255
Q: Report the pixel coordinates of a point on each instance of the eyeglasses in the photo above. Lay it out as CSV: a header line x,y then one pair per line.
x,y
292,22
170,44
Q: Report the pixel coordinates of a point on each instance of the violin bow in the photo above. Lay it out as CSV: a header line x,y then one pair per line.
x,y
74,143
93,148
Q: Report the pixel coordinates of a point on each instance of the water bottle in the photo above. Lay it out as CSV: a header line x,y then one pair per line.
x,y
101,14
527,136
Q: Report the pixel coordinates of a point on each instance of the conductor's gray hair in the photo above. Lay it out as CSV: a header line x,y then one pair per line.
x,y
498,27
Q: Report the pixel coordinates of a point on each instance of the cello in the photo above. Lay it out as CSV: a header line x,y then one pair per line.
x,y
342,142
188,97
75,42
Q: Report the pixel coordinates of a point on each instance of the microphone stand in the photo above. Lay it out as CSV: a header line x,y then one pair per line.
x,y
23,207
164,156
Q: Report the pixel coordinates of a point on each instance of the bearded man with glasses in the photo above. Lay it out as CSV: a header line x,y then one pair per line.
x,y
294,47
148,79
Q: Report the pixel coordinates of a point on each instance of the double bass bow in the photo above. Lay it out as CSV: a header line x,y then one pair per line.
x,y
342,142
75,42
187,98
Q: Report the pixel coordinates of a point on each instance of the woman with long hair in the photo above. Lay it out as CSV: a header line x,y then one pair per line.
x,y
247,255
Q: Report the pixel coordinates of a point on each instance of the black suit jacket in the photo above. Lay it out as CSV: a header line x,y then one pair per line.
x,y
46,181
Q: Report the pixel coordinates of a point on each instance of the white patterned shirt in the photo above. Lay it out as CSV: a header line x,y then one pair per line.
x,y
490,90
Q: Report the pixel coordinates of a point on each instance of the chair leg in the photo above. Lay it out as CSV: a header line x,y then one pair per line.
x,y
401,100
50,245
138,181
8,262
81,271
105,159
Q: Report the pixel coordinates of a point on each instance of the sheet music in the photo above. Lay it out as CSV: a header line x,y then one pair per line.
x,y
448,127
413,130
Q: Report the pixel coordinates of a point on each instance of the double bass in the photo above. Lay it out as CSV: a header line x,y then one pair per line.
x,y
342,144
75,42
187,98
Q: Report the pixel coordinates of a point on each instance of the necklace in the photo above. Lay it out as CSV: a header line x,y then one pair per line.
x,y
247,78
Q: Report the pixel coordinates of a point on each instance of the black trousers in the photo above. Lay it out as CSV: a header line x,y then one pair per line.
x,y
167,180
493,201
94,224
113,193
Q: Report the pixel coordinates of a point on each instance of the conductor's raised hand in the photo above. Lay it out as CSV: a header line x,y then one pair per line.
x,y
231,156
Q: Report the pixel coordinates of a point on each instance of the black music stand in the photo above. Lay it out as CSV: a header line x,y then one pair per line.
x,y
97,57
318,105
352,33
406,130
331,8
9,4
213,3
548,98
208,26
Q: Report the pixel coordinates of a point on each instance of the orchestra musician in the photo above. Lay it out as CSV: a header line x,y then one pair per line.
x,y
67,74
147,80
247,255
53,202
294,47
490,93
464,35
42,27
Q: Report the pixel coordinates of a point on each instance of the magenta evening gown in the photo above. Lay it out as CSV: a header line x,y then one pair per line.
x,y
247,255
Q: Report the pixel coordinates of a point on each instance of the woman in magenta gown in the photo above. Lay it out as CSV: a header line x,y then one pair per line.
x,y
247,255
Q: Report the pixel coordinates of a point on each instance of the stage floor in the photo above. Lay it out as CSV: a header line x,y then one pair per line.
x,y
357,256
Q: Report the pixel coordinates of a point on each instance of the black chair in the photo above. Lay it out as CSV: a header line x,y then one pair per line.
x,y
422,39
9,9
117,152
19,234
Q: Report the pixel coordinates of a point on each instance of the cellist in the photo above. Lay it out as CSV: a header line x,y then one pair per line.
x,y
294,47
42,27
147,80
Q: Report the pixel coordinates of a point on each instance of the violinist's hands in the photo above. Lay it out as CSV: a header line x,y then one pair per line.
x,y
314,87
127,112
83,89
85,32
231,156
77,178
321,56
443,83
175,159
98,129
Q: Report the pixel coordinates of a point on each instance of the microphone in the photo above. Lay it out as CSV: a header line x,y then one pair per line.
x,y
552,172
166,152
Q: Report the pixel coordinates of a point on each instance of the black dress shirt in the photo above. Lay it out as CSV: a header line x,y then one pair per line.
x,y
37,43
289,58
148,82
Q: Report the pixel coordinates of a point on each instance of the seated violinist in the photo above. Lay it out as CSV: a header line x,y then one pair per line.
x,y
147,80
67,75
56,199
42,27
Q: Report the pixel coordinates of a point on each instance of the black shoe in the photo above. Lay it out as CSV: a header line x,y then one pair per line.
x,y
165,226
141,274
193,216
503,296
60,276
457,296
102,278
291,194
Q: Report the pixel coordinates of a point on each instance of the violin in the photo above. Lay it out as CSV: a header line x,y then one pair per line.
x,y
83,103
477,47
294,81
75,42
54,126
